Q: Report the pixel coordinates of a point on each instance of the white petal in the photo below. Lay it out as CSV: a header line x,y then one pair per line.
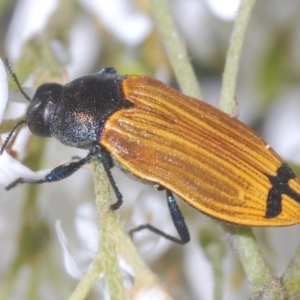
x,y
86,228
126,23
282,126
152,206
3,89
225,10
83,35
10,169
127,271
150,294
30,17
195,260
70,263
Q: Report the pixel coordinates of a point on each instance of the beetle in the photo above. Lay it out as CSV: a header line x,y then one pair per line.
x,y
187,147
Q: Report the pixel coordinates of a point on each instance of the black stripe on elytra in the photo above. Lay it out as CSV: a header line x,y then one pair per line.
x,y
280,186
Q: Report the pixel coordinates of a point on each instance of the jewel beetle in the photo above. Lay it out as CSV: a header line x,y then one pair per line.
x,y
187,147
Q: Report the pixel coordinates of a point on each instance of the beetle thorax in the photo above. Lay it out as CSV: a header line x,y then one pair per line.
x,y
85,105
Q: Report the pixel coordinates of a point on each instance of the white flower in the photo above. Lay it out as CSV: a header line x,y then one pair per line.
x,y
30,17
282,126
129,25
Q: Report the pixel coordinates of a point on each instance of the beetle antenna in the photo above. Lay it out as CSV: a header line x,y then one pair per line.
x,y
10,135
15,78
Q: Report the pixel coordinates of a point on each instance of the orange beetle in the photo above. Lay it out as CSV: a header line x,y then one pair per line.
x,y
212,161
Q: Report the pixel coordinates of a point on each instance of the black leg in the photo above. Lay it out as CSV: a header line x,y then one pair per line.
x,y
10,135
56,174
102,156
178,220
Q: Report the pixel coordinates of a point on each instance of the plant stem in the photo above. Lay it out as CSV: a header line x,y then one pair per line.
x,y
262,282
290,279
175,49
114,240
108,225
227,102
85,285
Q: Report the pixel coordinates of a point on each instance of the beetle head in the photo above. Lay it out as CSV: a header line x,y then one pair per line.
x,y
42,107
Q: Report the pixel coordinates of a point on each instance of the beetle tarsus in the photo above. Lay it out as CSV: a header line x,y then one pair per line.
x,y
158,232
116,205
22,180
59,173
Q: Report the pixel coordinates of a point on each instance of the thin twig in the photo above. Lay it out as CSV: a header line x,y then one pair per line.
x,y
175,49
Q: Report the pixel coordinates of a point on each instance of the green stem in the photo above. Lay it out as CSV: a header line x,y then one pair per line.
x,y
9,279
34,283
291,278
227,102
215,256
214,250
108,224
106,259
114,240
144,278
175,49
85,285
262,283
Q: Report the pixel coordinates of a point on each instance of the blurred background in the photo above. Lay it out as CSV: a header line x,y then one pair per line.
x,y
59,41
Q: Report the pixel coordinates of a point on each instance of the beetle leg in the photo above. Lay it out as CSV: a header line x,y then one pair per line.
x,y
102,156
178,221
56,174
